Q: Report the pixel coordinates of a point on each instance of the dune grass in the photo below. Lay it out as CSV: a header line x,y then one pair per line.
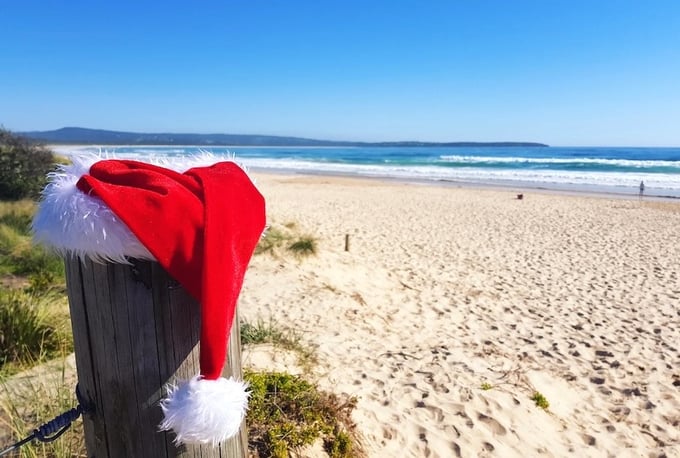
x,y
34,327
278,238
269,332
36,400
304,246
18,255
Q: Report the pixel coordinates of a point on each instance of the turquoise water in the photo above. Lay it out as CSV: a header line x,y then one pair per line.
x,y
603,169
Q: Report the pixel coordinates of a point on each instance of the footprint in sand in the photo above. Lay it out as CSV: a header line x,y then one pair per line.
x,y
422,435
389,432
588,439
437,413
468,421
492,424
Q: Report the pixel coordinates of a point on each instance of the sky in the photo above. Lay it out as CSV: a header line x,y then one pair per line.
x,y
565,73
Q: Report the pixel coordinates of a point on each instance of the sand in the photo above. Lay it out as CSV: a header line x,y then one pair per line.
x,y
454,306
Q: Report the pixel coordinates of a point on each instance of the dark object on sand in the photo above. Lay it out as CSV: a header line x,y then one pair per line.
x,y
520,196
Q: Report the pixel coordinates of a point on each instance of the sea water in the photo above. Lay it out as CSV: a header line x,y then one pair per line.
x,y
615,170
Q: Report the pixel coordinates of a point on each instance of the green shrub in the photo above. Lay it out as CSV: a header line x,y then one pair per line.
x,y
23,167
339,445
286,413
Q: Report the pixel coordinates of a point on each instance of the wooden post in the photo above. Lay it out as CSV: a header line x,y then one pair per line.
x,y
346,242
135,329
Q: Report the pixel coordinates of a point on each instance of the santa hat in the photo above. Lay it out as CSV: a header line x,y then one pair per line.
x,y
201,224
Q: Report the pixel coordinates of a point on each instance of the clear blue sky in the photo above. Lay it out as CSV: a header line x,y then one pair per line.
x,y
560,72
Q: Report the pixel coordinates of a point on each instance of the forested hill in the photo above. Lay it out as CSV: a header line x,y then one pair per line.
x,y
80,135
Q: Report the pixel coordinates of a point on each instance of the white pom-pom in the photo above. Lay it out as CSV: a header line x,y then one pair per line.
x,y
205,411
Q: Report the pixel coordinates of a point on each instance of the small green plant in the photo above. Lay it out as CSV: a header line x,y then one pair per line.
x,y
287,413
304,246
540,400
486,386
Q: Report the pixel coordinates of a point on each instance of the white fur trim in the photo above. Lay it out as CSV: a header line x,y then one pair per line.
x,y
71,222
205,411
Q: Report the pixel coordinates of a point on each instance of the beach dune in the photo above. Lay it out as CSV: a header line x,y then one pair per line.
x,y
454,307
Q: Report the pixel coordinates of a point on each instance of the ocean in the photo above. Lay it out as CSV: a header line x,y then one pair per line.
x,y
615,170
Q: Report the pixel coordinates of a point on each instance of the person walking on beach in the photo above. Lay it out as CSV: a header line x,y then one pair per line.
x,y
642,188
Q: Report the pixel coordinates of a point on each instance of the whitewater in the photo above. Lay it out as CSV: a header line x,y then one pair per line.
x,y
616,170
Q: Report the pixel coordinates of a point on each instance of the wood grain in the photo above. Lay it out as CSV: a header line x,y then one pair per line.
x,y
135,330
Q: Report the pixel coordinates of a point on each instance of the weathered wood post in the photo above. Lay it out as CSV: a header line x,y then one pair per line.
x,y
135,329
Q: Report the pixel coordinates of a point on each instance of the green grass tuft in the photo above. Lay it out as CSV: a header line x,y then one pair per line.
x,y
486,386
269,332
540,400
31,330
261,332
286,237
18,256
271,240
304,246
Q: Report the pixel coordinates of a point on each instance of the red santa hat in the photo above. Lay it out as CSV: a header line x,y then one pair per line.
x,y
201,224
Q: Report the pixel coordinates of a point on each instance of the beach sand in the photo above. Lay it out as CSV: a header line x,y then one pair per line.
x,y
454,306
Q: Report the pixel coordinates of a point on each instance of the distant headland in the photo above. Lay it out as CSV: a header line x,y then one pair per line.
x,y
81,135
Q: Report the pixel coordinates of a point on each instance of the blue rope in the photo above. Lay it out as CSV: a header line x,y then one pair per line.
x,y
54,428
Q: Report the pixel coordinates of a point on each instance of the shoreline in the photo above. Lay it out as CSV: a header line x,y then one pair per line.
x,y
517,188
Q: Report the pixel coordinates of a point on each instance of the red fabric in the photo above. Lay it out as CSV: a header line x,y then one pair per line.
x,y
202,226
